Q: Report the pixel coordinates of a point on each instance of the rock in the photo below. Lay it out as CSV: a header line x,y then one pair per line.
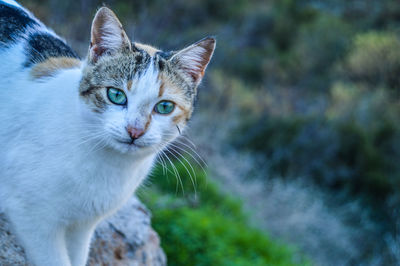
x,y
10,252
125,239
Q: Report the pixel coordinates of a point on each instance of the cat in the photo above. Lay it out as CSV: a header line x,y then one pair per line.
x,y
79,136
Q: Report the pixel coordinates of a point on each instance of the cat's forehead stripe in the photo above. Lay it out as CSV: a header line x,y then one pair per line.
x,y
148,82
140,64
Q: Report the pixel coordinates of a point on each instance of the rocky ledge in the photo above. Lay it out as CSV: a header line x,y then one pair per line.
x,y
125,239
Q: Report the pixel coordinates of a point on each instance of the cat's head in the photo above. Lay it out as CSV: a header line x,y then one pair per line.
x,y
135,96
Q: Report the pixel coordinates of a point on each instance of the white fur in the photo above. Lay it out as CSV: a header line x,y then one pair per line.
x,y
11,2
62,170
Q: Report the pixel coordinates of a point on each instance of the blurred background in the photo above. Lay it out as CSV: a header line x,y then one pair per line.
x,y
293,154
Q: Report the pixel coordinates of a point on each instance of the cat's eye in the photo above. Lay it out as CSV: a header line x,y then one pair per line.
x,y
116,96
164,107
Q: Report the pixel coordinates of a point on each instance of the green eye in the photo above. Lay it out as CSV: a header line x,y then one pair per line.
x,y
164,107
116,96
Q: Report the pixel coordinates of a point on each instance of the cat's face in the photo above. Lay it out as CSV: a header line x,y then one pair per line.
x,y
136,97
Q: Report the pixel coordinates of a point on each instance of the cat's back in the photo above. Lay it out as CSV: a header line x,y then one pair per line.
x,y
28,52
25,41
14,22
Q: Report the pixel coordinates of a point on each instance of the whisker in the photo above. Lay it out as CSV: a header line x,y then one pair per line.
x,y
191,155
166,167
188,140
89,138
176,174
187,170
193,150
162,163
177,140
160,159
183,157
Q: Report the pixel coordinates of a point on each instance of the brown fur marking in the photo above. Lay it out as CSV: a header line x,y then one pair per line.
x,y
162,89
146,126
184,116
49,67
166,83
129,85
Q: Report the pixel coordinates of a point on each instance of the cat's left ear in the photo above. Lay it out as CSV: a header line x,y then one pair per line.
x,y
194,59
107,35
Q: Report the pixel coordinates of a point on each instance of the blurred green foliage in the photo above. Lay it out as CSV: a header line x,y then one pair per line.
x,y
374,59
351,145
206,226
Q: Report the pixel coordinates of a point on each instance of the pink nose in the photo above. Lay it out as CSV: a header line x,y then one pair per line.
x,y
135,133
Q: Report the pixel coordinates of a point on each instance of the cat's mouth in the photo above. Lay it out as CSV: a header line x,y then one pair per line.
x,y
127,142
130,143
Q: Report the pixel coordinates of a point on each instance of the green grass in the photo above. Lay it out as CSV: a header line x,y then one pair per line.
x,y
208,227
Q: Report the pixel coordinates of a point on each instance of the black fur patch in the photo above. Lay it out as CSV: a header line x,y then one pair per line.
x,y
13,22
142,60
42,46
162,58
139,58
161,64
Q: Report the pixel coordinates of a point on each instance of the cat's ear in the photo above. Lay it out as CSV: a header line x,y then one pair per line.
x,y
194,59
107,35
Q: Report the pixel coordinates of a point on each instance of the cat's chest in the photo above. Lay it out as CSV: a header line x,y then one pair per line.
x,y
98,188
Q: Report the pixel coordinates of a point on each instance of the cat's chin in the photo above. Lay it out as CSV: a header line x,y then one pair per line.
x,y
129,147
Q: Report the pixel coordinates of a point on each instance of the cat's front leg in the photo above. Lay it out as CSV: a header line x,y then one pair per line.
x,y
78,238
43,243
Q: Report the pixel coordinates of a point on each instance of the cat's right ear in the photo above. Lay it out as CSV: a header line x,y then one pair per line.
x,y
107,35
194,59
